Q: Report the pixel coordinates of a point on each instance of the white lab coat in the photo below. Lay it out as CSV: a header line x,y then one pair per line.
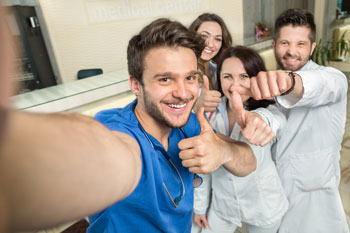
x,y
257,199
308,152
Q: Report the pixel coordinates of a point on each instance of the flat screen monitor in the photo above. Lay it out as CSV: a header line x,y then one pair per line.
x,y
345,5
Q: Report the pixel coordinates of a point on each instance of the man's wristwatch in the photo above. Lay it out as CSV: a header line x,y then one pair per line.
x,y
292,79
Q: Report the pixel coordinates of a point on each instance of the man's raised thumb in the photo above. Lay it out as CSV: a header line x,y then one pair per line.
x,y
205,126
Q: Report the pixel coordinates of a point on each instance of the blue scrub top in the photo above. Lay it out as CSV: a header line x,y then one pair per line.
x,y
148,208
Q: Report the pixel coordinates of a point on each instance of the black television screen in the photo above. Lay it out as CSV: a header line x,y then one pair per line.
x,y
345,5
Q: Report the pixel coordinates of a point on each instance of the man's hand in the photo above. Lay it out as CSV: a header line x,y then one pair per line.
x,y
205,152
201,220
270,84
209,99
253,127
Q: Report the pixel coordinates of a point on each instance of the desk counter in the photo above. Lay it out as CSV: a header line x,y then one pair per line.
x,y
74,94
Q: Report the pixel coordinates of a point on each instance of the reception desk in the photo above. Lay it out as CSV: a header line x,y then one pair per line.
x,y
83,95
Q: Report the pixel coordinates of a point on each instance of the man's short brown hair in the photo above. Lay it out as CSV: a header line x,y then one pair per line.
x,y
296,17
160,33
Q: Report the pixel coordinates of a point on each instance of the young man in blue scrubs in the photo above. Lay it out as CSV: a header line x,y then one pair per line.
x,y
174,144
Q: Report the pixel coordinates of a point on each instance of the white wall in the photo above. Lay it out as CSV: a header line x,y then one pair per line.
x,y
94,33
319,17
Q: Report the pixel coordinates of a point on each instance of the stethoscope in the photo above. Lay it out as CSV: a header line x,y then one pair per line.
x,y
177,200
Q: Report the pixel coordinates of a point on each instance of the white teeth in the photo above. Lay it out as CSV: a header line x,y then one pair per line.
x,y
208,51
176,106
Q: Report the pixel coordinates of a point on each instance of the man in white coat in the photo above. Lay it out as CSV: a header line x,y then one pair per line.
x,y
313,98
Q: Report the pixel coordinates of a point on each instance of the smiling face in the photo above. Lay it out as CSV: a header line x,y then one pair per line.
x,y
212,33
170,87
293,48
234,77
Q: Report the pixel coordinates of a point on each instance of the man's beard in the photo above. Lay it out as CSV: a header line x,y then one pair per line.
x,y
153,110
280,64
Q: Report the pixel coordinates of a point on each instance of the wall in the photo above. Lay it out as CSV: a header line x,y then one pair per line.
x,y
324,14
255,11
266,11
94,33
329,19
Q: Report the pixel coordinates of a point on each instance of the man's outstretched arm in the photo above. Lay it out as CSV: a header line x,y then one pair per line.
x,y
59,167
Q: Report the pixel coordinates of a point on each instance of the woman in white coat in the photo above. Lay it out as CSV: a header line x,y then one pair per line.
x,y
223,201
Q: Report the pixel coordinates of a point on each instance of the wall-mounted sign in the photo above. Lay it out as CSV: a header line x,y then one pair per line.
x,y
111,10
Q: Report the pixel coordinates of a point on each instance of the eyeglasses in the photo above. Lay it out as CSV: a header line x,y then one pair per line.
x,y
177,200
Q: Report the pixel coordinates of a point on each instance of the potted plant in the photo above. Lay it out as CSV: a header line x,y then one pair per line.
x,y
341,48
262,30
324,53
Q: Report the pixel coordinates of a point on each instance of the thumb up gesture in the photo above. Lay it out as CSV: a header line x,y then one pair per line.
x,y
253,127
203,153
208,99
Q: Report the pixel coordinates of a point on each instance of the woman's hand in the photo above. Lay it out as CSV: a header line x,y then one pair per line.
x,y
201,220
208,99
253,127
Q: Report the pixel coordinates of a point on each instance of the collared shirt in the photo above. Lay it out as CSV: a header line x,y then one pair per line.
x,y
258,198
308,152
148,208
